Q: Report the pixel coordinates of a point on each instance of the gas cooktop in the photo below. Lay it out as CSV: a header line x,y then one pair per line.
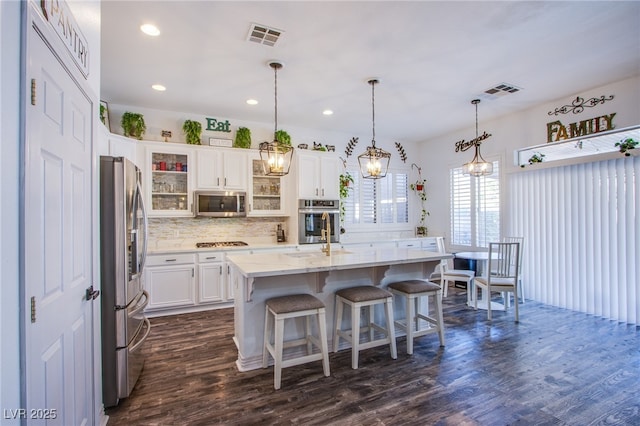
x,y
221,244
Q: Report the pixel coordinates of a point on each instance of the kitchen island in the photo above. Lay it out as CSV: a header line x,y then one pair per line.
x,y
258,277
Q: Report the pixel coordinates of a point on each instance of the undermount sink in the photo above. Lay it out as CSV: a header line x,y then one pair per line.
x,y
303,254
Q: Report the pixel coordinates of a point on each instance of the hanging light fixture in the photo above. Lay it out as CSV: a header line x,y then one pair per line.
x,y
276,156
374,162
478,166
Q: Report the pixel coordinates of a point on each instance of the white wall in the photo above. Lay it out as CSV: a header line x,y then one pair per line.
x,y
518,130
9,203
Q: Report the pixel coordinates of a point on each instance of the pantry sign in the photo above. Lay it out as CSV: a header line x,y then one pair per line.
x,y
59,16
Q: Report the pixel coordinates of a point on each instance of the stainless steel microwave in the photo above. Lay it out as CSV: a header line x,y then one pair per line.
x,y
220,203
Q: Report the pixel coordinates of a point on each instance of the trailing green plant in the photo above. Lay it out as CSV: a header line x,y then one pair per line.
x,y
283,137
193,132
345,185
133,125
626,145
103,118
243,138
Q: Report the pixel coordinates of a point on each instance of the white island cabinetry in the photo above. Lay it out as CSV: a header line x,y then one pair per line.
x,y
259,277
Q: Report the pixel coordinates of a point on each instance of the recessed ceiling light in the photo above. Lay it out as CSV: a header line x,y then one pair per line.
x,y
327,112
252,102
150,29
159,87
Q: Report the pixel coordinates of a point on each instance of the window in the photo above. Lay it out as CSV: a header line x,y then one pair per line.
x,y
377,202
475,208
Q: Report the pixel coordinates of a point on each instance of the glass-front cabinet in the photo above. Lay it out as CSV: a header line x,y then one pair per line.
x,y
169,181
265,192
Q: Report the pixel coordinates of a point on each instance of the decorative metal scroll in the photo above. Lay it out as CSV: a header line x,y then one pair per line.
x,y
579,104
350,145
403,155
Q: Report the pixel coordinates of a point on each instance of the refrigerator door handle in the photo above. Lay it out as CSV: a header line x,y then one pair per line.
x,y
139,343
145,240
140,306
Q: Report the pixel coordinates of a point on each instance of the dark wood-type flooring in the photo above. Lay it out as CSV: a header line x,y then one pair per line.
x,y
556,367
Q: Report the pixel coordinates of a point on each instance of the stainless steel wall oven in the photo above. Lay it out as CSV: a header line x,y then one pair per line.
x,y
310,223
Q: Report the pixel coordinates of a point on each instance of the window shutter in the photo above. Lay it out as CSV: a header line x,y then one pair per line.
x,y
460,208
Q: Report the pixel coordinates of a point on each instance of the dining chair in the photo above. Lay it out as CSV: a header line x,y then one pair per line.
x,y
521,241
502,274
445,273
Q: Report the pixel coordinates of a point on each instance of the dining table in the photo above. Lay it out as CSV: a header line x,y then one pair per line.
x,y
481,257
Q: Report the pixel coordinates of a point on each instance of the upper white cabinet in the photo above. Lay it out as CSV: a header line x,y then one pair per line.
x,y
167,181
318,175
224,169
265,192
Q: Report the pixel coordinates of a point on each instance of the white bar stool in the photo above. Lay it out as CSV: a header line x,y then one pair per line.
x,y
357,298
412,291
285,307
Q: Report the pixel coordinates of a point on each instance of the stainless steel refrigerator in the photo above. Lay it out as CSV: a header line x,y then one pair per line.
x,y
123,246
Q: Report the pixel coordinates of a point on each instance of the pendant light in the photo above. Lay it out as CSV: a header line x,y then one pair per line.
x,y
276,156
374,162
478,166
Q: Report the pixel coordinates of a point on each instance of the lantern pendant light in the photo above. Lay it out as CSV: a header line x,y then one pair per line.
x,y
478,166
374,162
276,156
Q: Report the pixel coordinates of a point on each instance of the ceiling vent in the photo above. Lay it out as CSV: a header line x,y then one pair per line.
x,y
500,90
263,34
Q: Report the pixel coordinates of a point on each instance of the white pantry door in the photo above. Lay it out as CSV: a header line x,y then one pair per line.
x,y
58,248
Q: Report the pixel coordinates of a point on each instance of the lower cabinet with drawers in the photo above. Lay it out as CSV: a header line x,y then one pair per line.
x,y
187,282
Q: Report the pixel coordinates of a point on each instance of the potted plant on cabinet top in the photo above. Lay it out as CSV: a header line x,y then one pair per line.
x,y
243,138
283,137
419,187
133,125
193,131
345,185
626,145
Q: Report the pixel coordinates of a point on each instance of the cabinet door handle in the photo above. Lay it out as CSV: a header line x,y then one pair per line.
x,y
323,192
316,191
220,269
212,257
170,260
218,184
225,181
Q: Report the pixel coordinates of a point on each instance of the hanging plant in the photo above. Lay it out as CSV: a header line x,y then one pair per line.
x,y
133,125
537,157
243,138
193,131
420,189
626,145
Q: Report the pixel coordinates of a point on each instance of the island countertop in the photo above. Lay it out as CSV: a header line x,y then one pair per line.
x,y
273,264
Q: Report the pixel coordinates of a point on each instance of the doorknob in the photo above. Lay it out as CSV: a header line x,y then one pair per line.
x,y
92,294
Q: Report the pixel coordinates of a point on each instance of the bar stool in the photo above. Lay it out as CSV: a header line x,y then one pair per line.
x,y
412,291
357,298
287,307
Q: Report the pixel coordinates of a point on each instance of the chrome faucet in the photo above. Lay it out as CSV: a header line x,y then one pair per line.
x,y
325,234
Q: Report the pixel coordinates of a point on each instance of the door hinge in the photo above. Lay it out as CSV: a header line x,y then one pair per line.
x,y
33,91
33,309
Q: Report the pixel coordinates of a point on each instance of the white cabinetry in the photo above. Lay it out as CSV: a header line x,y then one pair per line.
x,y
265,192
212,272
170,281
167,179
318,175
224,169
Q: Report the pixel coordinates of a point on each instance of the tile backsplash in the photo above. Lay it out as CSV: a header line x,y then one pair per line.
x,y
215,228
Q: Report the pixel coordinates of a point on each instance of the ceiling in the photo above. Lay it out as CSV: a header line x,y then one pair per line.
x,y
431,57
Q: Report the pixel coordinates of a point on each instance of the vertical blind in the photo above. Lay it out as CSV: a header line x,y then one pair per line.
x,y
582,236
